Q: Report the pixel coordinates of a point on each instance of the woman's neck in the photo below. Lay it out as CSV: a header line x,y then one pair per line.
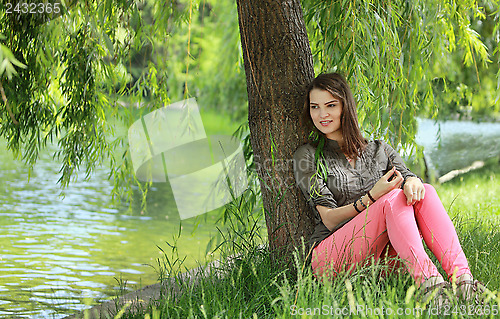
x,y
339,140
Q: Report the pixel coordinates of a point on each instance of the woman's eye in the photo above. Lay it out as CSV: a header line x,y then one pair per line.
x,y
314,106
331,105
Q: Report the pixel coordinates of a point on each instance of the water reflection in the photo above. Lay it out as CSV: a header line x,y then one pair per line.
x,y
59,251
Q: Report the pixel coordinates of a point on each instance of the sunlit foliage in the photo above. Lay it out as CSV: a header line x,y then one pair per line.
x,y
74,77
397,53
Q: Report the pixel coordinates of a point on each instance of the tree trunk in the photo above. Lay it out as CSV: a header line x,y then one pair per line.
x,y
278,65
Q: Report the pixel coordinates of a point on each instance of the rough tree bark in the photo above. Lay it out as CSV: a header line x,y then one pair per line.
x,y
278,64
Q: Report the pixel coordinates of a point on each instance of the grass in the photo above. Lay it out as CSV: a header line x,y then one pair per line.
x,y
475,195
254,288
472,202
215,123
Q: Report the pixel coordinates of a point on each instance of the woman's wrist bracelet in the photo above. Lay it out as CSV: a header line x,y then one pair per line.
x,y
356,207
362,204
371,197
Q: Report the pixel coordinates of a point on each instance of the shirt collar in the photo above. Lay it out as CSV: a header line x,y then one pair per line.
x,y
332,145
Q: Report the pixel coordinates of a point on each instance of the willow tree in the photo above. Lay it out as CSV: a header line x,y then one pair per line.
x,y
67,71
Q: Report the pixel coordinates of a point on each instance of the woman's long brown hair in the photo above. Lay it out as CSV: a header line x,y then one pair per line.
x,y
354,142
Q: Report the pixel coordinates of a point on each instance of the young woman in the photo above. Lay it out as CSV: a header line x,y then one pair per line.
x,y
366,202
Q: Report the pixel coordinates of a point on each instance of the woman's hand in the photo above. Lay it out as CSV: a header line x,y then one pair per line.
x,y
414,190
384,186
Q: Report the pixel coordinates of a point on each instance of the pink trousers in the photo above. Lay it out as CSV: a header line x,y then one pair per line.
x,y
390,225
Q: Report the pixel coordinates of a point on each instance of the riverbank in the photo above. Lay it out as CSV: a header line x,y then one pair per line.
x,y
253,288
136,301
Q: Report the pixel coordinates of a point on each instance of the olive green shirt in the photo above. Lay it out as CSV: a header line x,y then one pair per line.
x,y
344,184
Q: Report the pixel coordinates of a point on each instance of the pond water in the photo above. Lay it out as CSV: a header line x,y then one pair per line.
x,y
461,143
61,253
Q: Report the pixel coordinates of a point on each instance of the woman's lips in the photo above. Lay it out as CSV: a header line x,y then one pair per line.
x,y
325,123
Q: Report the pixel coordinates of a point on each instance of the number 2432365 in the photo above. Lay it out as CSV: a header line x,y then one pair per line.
x,y
31,8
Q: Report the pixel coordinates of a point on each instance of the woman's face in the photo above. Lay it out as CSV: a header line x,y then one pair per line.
x,y
325,112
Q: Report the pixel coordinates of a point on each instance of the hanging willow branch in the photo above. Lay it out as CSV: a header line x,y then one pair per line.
x,y
4,98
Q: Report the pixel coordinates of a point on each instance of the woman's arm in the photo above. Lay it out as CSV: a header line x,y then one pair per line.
x,y
413,186
309,181
331,217
395,160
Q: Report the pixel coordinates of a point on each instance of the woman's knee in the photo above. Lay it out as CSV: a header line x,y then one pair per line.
x,y
395,196
429,187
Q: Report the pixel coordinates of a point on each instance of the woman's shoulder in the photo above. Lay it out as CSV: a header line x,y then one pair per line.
x,y
303,158
304,151
373,144
375,147
377,144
